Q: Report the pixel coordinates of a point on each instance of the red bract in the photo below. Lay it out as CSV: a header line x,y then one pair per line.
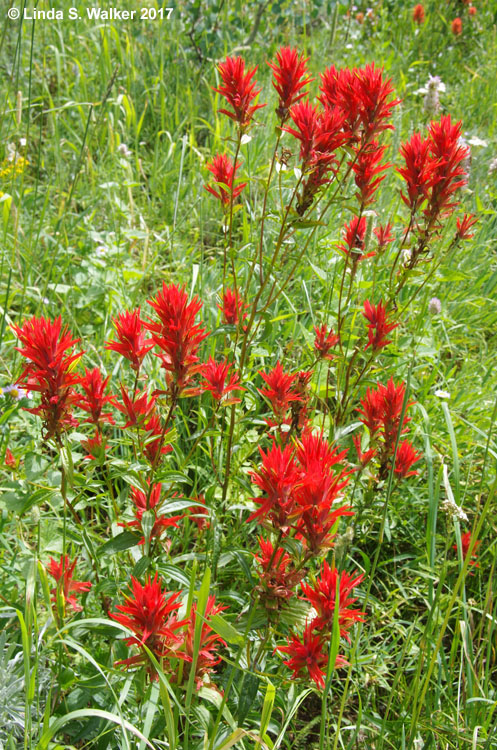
x,y
137,408
277,479
404,460
233,308
366,167
289,78
305,119
419,170
465,225
354,234
456,26
375,105
177,335
153,444
10,459
339,89
363,457
378,325
151,501
96,447
239,90
131,342
418,14
465,545
48,347
219,382
382,407
147,614
210,642
199,514
322,596
280,391
325,341
309,654
448,153
223,172
94,399
278,578
63,571
384,236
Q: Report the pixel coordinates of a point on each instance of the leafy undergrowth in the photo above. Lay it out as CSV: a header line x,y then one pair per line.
x,y
248,344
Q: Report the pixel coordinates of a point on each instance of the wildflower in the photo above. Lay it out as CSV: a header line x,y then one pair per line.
x,y
418,14
48,347
448,156
434,306
363,457
384,236
354,234
325,341
278,577
215,376
339,90
431,101
207,657
153,444
15,392
233,308
131,342
96,447
309,654
322,596
472,11
456,26
289,78
177,335
277,479
375,105
223,171
382,408
9,459
419,171
151,501
280,390
305,119
405,458
93,401
149,614
138,408
366,166
465,225
199,514
378,325
239,90
466,539
63,571
124,150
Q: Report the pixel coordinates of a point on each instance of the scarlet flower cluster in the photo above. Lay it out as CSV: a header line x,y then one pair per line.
x,y
67,587
239,90
378,325
151,502
48,347
131,342
384,412
418,14
224,173
151,614
289,78
232,308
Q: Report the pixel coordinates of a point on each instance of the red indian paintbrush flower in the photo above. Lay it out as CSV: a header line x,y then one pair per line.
x,y
456,26
382,408
472,10
63,571
9,459
354,234
465,545
378,325
419,171
239,90
199,514
418,14
218,380
305,119
48,347
465,225
325,341
289,78
322,596
309,654
233,308
94,399
221,167
449,155
374,103
210,642
138,408
151,501
278,577
366,167
405,459
131,342
177,335
364,457
280,391
96,447
277,479
339,89
146,613
384,236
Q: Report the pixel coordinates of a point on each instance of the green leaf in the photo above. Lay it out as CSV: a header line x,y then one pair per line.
x,y
225,629
119,543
